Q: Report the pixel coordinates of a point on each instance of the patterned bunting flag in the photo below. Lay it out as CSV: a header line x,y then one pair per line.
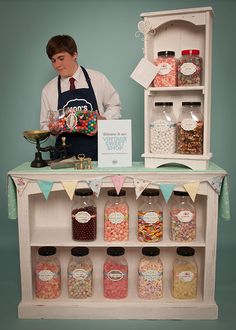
x,y
140,185
70,187
166,189
118,181
20,184
95,185
192,189
46,187
216,183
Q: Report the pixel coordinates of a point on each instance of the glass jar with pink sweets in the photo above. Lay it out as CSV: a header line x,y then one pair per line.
x,y
116,217
115,274
182,218
167,69
47,273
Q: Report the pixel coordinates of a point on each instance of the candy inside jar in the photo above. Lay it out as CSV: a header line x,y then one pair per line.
x,y
167,68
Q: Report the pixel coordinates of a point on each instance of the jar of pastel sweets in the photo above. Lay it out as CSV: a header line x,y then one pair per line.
x,y
167,69
116,217
80,274
84,216
150,274
47,273
115,274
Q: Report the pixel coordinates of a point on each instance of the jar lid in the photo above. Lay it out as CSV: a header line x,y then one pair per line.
x,y
163,104
151,251
115,251
191,104
80,251
47,250
166,53
190,52
185,251
181,193
83,192
113,192
150,192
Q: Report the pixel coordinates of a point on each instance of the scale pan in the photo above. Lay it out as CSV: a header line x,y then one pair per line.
x,y
36,135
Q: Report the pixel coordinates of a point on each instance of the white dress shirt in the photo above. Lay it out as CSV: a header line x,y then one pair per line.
x,y
108,100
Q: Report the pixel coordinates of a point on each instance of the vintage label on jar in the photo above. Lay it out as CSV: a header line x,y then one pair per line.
x,y
185,216
186,276
151,217
160,125
188,124
163,69
80,274
116,217
115,275
45,275
188,68
152,275
82,217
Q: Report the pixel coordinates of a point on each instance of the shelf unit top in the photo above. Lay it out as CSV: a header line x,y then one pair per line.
x,y
178,11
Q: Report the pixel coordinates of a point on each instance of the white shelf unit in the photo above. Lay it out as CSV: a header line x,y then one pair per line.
x,y
48,222
176,30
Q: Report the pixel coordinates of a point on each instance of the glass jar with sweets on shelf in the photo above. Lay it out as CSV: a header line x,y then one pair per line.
x,y
190,124
84,216
116,217
47,273
80,274
167,69
163,129
115,274
185,274
150,217
150,274
189,68
182,218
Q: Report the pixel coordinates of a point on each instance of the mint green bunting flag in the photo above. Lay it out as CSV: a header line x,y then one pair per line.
x,y
166,189
46,187
224,207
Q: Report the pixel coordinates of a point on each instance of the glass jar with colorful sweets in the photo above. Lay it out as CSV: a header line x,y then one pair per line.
x,y
150,274
80,274
163,129
182,218
167,69
116,217
47,273
150,217
84,216
185,274
189,68
115,274
190,124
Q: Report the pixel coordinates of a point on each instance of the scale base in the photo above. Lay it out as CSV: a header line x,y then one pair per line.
x,y
38,161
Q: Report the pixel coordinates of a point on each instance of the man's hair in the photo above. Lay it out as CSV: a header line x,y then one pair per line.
x,y
61,43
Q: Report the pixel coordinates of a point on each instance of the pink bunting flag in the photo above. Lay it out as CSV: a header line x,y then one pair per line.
x,y
20,184
118,181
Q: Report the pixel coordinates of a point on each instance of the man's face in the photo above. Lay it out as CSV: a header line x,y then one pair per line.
x,y
65,64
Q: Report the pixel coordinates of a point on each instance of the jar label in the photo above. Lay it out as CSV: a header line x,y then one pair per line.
x,y
185,216
152,217
188,124
116,217
188,68
163,69
115,275
152,275
186,276
80,274
161,125
45,275
82,217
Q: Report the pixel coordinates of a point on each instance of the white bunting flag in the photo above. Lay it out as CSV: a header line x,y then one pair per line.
x,y
95,185
216,183
140,185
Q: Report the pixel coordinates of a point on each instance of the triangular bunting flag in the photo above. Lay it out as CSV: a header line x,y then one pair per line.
x,y
166,189
140,185
20,184
192,189
224,207
70,187
216,183
118,181
46,187
95,185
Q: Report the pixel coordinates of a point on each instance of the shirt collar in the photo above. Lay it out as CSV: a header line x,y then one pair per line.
x,y
76,75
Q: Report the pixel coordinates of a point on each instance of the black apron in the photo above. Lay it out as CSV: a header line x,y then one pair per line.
x,y
82,97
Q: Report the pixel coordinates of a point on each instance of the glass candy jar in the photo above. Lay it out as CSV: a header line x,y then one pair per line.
x,y
80,274
84,216
163,129
150,274
190,129
150,217
185,274
115,274
167,69
189,68
47,273
116,217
